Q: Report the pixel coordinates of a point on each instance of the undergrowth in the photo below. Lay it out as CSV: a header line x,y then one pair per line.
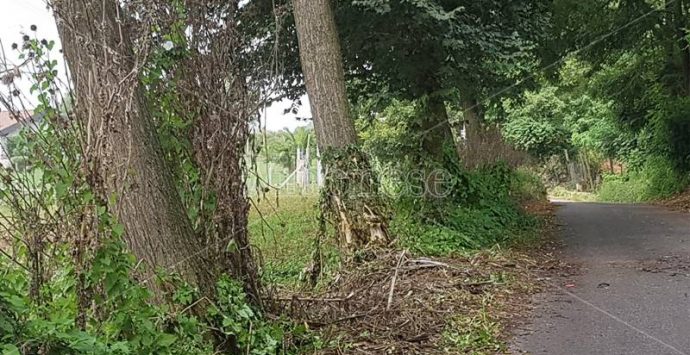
x,y
487,213
477,333
125,320
656,179
283,230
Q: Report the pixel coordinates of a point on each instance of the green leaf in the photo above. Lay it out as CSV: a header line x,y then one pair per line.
x,y
165,340
118,230
9,349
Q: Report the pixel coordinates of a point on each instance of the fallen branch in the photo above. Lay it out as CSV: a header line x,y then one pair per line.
x,y
426,263
309,299
395,278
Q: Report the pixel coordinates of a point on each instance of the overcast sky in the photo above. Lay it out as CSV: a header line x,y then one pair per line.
x,y
16,17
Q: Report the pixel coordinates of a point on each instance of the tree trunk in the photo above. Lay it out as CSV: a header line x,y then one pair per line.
x,y
217,97
472,152
122,143
438,147
322,65
351,188
437,137
470,113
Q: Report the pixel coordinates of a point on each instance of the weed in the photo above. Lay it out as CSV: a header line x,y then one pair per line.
x,y
476,332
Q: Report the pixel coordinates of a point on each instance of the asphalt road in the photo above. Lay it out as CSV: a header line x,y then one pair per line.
x,y
631,296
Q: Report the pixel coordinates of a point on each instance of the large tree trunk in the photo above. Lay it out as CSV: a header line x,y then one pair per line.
x,y
484,144
351,187
122,143
322,65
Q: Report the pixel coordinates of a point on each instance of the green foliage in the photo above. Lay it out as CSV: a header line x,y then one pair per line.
x,y
389,137
628,84
281,147
554,119
670,128
124,322
527,186
537,125
67,283
657,179
235,318
438,45
485,213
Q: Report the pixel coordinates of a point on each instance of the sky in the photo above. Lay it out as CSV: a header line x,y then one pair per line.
x,y
16,17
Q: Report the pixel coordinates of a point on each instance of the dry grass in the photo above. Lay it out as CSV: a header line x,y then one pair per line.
x,y
561,193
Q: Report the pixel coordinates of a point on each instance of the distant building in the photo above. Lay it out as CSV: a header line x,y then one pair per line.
x,y
10,126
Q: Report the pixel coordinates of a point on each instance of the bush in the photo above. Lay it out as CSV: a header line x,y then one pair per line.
x,y
657,179
483,213
123,319
527,186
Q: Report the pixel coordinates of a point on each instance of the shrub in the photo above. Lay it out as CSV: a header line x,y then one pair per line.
x,y
656,179
485,212
124,319
527,186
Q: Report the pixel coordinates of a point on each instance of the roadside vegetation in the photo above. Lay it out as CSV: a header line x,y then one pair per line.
x,y
481,273
148,211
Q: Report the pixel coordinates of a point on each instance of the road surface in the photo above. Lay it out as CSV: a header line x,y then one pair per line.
x,y
631,296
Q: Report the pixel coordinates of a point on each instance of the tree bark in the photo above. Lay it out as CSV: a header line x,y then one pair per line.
x,y
122,143
351,186
438,147
322,65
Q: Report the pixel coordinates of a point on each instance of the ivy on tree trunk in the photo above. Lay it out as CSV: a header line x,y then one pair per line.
x,y
350,194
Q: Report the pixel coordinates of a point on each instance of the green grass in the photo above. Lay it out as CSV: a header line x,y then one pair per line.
x,y
284,232
476,332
